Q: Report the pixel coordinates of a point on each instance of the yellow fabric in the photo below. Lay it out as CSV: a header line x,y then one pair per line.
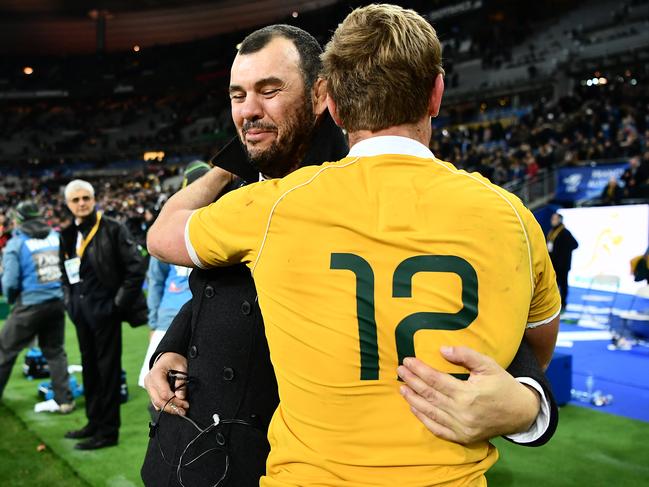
x,y
332,427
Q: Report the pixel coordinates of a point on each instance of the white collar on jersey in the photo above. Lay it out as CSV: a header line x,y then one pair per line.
x,y
390,144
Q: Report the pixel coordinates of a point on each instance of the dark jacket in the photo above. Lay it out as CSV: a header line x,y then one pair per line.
x,y
112,272
562,246
221,333
525,364
611,195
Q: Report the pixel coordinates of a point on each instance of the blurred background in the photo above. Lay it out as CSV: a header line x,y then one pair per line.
x,y
549,99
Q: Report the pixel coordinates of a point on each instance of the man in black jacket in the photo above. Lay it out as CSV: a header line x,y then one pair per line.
x,y
561,244
218,337
103,272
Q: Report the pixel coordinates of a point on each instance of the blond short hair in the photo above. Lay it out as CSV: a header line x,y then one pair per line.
x,y
380,67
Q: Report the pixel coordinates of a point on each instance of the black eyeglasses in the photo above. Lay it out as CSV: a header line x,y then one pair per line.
x,y
76,199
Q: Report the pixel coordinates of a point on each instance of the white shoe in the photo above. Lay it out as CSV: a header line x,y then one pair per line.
x,y
50,406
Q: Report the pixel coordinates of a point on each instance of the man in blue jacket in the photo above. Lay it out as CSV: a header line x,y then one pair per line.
x,y
32,283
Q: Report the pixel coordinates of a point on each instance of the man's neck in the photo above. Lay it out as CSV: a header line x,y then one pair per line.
x,y
420,131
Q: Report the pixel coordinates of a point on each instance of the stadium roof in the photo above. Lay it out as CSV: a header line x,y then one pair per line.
x,y
69,26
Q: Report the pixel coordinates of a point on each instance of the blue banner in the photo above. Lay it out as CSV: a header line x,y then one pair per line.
x,y
585,182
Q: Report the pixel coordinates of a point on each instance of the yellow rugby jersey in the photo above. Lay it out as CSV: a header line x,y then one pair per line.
x,y
359,263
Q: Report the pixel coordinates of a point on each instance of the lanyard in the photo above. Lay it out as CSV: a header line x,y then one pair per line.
x,y
554,233
84,243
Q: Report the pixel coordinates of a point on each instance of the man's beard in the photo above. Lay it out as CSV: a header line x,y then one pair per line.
x,y
283,155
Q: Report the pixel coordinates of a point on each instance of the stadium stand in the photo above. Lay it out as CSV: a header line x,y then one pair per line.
x,y
517,106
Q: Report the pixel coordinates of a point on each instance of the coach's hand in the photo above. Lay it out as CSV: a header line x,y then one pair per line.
x,y
490,403
157,384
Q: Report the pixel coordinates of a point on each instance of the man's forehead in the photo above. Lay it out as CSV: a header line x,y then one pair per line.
x,y
80,192
277,59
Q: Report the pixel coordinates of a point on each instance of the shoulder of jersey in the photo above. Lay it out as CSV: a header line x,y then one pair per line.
x,y
306,174
479,178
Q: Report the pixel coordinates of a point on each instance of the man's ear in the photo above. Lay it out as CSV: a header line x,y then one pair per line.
x,y
435,99
333,110
319,97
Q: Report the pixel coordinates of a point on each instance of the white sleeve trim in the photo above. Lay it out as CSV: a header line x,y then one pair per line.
x,y
542,421
536,324
190,248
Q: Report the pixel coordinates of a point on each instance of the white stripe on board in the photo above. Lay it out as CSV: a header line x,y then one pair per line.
x,y
583,336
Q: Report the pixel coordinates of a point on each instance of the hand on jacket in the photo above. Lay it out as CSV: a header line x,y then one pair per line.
x,y
490,403
157,385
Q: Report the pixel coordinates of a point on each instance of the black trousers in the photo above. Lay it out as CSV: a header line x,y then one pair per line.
x,y
100,343
562,283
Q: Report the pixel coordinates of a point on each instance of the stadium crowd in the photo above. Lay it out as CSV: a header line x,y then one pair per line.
x,y
593,124
134,201
174,98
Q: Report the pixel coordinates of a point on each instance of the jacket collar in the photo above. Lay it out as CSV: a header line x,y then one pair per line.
x,y
85,226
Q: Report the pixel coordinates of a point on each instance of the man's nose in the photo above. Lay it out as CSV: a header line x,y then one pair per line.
x,y
252,109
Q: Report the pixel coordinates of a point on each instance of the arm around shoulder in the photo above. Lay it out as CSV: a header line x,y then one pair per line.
x,y
166,237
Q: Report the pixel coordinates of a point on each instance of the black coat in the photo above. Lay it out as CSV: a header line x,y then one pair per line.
x,y
562,247
112,273
221,333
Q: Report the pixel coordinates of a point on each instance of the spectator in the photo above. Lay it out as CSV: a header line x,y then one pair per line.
x,y
5,231
103,272
32,282
612,193
635,179
561,244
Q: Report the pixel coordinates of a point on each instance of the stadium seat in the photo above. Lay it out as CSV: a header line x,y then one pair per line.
x,y
597,303
634,323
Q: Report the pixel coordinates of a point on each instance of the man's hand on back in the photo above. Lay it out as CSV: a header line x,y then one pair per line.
x,y
490,403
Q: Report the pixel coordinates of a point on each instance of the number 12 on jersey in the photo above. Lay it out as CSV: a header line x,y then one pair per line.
x,y
402,288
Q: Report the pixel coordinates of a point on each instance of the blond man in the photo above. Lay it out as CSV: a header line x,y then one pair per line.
x,y
367,262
